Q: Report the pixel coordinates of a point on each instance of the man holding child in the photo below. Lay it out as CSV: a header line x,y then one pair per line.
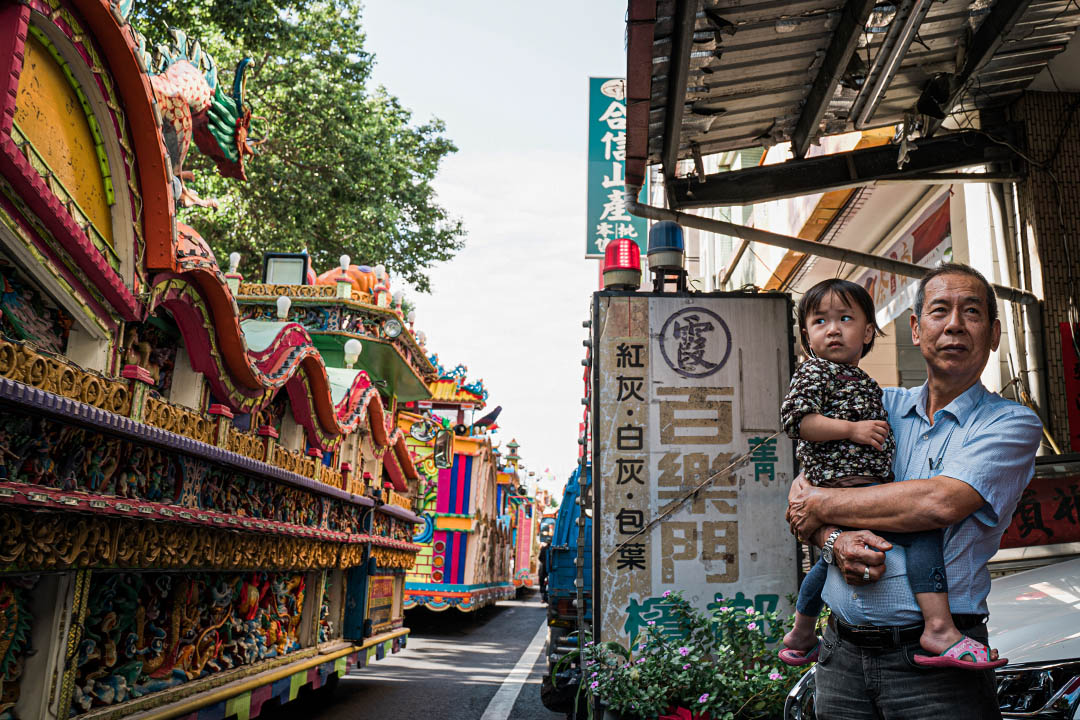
x,y
963,457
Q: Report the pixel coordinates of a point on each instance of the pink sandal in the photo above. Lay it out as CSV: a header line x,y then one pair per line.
x,y
798,658
978,653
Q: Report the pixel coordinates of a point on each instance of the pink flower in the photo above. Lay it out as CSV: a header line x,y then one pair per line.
x,y
775,676
667,593
703,698
594,685
684,651
651,623
752,626
686,666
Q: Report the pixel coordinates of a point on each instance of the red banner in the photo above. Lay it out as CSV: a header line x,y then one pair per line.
x,y
1048,513
1071,364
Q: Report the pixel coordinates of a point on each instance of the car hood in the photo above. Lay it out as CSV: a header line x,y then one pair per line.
x,y
1035,615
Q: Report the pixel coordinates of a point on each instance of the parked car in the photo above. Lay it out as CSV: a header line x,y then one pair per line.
x,y
1035,622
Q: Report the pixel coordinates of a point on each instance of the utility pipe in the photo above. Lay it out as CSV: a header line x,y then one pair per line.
x,y
1030,316
832,252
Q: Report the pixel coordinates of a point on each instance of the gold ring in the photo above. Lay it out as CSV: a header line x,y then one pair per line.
x,y
866,573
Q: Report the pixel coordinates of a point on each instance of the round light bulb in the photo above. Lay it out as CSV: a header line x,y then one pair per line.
x,y
284,302
398,298
353,348
380,272
412,317
234,261
344,261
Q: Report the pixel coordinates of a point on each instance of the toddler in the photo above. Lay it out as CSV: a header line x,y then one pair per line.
x,y
835,411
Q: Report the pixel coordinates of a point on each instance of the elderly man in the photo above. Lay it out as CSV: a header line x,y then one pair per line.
x,y
964,456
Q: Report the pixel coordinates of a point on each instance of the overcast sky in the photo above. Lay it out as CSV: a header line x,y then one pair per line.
x,y
510,79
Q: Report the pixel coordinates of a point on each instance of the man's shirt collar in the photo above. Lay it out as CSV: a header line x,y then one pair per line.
x,y
960,408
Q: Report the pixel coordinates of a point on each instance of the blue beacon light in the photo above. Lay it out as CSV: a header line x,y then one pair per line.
x,y
666,246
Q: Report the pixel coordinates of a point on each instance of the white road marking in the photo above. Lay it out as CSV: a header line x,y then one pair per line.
x,y
503,703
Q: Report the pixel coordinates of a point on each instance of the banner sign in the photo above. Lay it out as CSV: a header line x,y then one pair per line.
x,y
607,215
927,243
381,600
685,384
1049,510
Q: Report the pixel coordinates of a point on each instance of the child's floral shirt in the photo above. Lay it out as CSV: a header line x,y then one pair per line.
x,y
842,392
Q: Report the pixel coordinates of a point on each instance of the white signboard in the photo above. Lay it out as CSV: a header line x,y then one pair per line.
x,y
685,384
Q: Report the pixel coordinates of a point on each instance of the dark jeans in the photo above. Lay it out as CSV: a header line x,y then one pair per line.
x,y
855,683
925,569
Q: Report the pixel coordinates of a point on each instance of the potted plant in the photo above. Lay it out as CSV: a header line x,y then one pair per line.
x,y
693,666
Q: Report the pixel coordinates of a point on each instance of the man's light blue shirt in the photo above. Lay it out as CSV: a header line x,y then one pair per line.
x,y
980,438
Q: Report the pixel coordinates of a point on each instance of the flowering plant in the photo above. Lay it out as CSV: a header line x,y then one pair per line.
x,y
694,665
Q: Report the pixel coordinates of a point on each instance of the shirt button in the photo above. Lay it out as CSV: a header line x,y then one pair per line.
x,y
854,596
926,436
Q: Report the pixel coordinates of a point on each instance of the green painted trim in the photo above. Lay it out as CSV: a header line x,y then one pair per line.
x,y
453,515
297,681
64,195
240,706
95,129
48,240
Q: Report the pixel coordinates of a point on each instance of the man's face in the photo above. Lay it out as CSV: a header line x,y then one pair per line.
x,y
954,332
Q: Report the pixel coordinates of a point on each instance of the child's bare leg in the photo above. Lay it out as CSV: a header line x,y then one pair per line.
x,y
803,636
940,633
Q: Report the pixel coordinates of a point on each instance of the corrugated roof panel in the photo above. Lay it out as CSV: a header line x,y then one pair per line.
x,y
757,62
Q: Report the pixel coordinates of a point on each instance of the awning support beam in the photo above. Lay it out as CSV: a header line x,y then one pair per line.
x,y
842,170
988,38
831,252
845,41
682,42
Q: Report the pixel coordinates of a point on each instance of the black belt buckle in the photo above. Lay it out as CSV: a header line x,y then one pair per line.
x,y
879,638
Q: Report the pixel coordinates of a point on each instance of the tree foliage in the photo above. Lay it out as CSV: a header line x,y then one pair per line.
x,y
344,170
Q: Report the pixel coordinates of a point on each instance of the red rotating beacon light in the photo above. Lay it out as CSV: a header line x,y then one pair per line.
x,y
622,265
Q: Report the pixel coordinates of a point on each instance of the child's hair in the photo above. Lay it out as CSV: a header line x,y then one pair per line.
x,y
852,293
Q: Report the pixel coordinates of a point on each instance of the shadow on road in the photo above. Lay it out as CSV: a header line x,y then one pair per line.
x,y
452,667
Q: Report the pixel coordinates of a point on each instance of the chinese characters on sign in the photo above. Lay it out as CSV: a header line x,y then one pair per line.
x,y
623,395
1048,511
671,416
607,215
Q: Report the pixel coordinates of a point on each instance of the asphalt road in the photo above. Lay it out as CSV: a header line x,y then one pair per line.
x,y
452,669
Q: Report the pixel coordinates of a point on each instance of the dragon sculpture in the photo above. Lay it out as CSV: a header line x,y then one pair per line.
x,y
195,106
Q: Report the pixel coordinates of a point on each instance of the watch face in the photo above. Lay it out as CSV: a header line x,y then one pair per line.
x,y
826,555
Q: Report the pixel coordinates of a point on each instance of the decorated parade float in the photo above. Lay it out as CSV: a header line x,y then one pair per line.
x,y
466,557
524,522
206,501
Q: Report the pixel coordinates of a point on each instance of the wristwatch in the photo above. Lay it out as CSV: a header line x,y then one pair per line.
x,y
826,549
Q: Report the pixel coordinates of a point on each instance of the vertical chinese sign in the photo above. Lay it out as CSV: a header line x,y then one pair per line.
x,y
686,385
607,215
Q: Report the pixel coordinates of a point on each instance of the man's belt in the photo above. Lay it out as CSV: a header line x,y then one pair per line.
x,y
893,636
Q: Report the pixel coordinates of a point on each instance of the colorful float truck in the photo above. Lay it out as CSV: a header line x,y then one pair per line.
x,y
204,499
526,528
465,556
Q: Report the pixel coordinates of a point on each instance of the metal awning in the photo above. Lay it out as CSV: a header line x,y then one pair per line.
x,y
706,76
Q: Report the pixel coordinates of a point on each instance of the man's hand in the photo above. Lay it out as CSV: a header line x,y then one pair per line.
x,y
799,485
801,513
869,432
854,553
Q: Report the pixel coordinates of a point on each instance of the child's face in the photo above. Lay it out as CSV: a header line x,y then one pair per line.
x,y
838,331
